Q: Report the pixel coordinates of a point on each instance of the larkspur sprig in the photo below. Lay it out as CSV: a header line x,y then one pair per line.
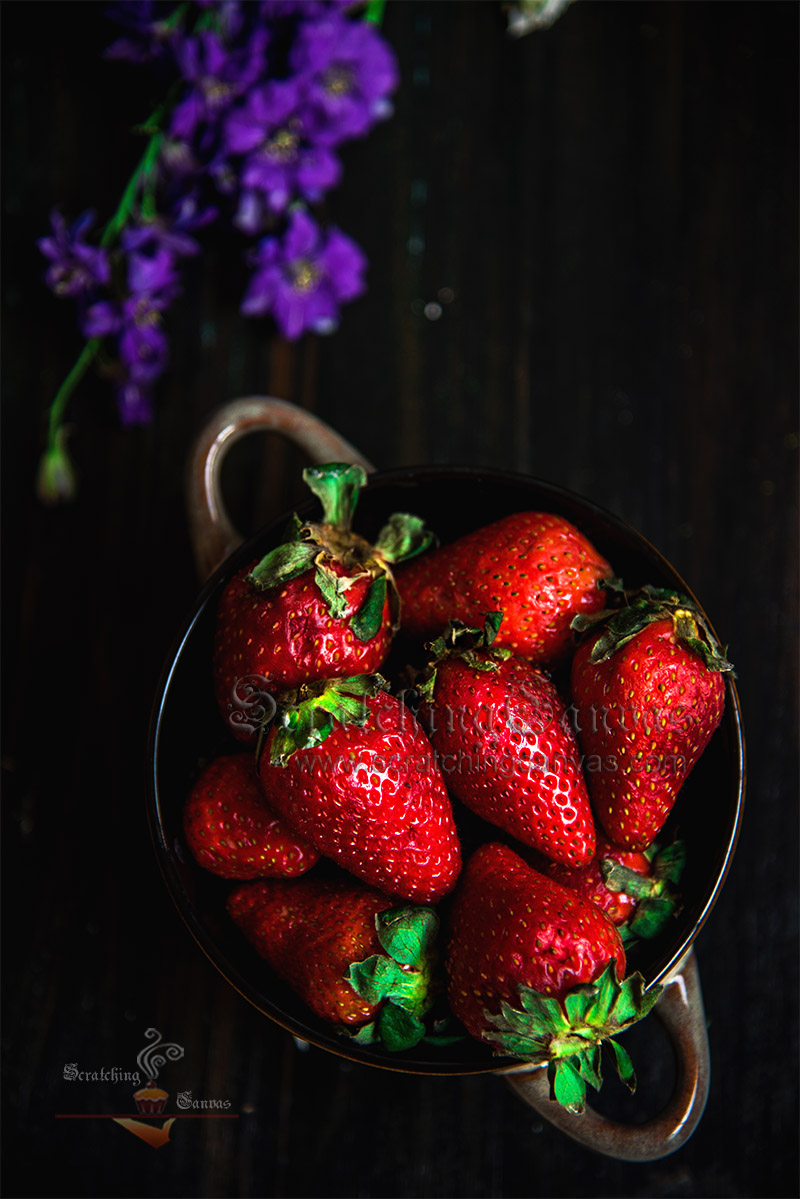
x,y
259,98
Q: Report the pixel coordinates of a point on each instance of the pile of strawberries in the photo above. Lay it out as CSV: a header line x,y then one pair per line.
x,y
467,847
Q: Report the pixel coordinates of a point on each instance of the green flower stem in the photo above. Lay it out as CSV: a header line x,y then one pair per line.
x,y
374,13
59,404
143,171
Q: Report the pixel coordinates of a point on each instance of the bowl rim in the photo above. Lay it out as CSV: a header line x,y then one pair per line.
x,y
405,476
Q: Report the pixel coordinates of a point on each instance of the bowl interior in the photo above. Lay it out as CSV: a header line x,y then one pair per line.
x,y
187,730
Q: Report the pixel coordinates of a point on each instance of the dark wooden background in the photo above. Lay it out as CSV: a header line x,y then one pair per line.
x,y
611,207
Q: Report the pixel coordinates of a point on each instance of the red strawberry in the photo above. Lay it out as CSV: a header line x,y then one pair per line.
x,y
637,891
588,882
351,771
535,971
505,744
353,958
318,607
538,569
649,693
231,829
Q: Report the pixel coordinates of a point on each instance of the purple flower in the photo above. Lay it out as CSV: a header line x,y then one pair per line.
x,y
150,26
349,73
137,323
151,260
280,165
188,215
218,76
76,268
274,10
303,277
134,403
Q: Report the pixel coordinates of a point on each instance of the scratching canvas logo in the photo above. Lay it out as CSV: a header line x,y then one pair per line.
x,y
150,1100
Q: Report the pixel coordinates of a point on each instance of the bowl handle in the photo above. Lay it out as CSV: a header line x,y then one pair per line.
x,y
680,1009
212,534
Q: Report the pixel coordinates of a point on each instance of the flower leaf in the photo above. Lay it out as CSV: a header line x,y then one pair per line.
x,y
399,1029
589,1066
624,1065
282,564
367,1034
333,588
403,537
376,978
579,1002
408,933
543,1008
652,915
670,861
366,622
567,1087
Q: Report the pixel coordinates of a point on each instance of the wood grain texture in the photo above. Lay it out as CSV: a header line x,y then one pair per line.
x,y
606,214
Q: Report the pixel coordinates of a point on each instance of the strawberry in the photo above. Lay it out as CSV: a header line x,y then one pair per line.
x,y
637,891
588,880
648,692
536,568
537,972
350,770
505,744
321,605
356,960
231,829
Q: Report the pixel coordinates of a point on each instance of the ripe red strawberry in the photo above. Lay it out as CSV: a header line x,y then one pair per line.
x,y
505,745
535,971
637,891
588,882
649,693
320,606
231,829
351,771
356,960
537,569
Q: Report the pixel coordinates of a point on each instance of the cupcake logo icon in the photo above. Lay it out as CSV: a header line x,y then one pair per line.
x,y
151,1122
151,1100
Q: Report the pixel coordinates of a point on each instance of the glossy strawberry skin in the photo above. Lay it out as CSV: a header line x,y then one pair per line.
x,y
587,881
536,568
310,931
512,926
373,799
232,831
645,716
509,754
286,636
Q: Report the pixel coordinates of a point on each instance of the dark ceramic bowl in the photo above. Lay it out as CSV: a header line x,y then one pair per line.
x,y
187,728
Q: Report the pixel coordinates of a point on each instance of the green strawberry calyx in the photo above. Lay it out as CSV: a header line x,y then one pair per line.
x,y
568,1036
658,897
304,718
619,625
474,646
323,546
404,979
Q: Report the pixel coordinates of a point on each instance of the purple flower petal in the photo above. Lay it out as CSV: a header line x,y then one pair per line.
x,y
302,236
101,319
76,269
261,293
134,404
317,171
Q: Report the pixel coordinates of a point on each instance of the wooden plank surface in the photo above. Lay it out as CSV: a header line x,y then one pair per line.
x,y
606,214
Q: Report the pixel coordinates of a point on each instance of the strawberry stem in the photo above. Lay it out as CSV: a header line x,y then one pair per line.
x,y
336,485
